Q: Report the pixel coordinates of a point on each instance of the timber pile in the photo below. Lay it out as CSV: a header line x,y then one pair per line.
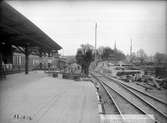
x,y
147,81
154,82
147,87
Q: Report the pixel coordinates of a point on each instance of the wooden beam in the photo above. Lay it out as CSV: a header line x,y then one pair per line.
x,y
20,49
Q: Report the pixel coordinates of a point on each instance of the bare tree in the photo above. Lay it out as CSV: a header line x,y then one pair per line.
x,y
141,55
106,53
160,58
100,52
133,57
84,57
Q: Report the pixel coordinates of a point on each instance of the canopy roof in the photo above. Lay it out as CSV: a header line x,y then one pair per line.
x,y
17,30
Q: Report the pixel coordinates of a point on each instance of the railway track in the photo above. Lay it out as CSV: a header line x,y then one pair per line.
x,y
128,100
135,89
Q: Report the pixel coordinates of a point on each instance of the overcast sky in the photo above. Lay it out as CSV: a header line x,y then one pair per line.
x,y
71,24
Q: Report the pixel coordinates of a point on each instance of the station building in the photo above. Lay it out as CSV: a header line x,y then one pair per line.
x,y
22,43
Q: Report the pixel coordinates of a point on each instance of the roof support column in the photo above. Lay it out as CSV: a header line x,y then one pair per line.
x,y
50,54
40,55
26,59
49,60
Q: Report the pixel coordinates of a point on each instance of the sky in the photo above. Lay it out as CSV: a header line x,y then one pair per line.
x,y
72,23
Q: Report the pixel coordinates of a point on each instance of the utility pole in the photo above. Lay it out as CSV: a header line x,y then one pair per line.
x,y
115,46
130,47
95,39
130,55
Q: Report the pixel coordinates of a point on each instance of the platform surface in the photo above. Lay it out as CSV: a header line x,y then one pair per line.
x,y
38,98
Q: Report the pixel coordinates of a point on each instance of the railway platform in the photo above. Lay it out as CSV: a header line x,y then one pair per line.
x,y
39,98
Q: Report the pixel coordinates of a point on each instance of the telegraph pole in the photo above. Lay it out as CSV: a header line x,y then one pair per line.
x,y
95,39
130,47
130,54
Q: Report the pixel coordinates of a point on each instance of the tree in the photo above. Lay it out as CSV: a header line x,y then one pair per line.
x,y
132,57
160,58
84,57
141,55
106,53
100,51
118,55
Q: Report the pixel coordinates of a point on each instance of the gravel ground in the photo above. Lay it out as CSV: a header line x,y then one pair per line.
x,y
37,98
107,104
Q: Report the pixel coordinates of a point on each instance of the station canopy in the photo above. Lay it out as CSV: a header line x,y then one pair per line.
x,y
15,29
